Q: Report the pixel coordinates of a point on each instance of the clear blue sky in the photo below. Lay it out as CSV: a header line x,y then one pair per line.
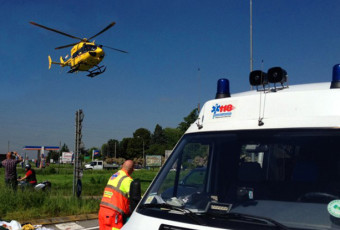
x,y
158,81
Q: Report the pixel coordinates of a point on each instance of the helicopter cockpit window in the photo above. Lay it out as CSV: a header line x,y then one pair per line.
x,y
89,48
84,49
75,54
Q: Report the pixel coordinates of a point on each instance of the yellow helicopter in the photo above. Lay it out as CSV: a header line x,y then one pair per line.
x,y
85,55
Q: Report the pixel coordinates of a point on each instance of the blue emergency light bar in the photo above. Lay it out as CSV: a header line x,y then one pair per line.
x,y
336,77
222,88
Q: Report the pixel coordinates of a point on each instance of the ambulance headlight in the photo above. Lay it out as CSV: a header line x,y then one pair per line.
x,y
336,77
277,75
222,88
258,77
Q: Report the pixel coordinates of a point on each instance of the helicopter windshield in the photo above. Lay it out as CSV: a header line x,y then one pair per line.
x,y
89,47
84,49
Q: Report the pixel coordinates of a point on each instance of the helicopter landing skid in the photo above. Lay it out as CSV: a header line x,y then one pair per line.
x,y
96,71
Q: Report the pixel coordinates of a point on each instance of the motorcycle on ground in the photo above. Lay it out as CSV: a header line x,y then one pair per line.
x,y
42,186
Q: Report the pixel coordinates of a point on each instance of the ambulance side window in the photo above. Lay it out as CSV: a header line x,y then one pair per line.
x,y
187,175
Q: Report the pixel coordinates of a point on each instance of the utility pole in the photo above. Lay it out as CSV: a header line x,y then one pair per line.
x,y
116,149
143,150
77,173
143,155
59,158
199,91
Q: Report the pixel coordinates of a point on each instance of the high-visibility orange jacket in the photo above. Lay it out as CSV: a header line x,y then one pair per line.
x,y
116,193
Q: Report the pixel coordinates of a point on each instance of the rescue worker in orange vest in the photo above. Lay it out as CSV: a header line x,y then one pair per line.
x,y
115,204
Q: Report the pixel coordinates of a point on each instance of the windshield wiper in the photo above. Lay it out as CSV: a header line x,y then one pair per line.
x,y
185,211
247,217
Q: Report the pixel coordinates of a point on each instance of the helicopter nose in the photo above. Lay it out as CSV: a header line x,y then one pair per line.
x,y
101,53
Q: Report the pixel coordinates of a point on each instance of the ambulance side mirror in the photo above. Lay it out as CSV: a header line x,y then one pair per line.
x,y
135,194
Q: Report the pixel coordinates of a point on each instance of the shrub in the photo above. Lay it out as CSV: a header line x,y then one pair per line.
x,y
51,171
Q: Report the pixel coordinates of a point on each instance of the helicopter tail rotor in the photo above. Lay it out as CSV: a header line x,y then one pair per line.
x,y
49,62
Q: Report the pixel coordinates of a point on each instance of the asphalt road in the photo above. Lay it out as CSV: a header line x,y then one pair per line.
x,y
76,225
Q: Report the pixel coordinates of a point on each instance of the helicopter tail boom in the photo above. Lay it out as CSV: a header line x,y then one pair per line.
x,y
62,63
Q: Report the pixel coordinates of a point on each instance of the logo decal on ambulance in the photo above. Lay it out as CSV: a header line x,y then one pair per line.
x,y
222,110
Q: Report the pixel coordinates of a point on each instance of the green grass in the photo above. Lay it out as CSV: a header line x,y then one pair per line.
x,y
28,205
24,206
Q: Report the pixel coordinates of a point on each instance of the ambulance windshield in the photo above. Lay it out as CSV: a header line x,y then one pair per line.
x,y
290,176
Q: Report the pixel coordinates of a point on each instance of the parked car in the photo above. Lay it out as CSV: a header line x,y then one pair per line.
x,y
99,165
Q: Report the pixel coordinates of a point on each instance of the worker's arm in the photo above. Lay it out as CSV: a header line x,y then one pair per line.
x,y
20,158
22,178
26,175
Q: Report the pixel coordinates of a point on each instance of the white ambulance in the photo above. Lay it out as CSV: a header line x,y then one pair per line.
x,y
264,159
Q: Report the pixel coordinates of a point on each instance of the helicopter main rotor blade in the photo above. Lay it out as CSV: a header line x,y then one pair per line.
x,y
106,28
115,49
57,31
62,47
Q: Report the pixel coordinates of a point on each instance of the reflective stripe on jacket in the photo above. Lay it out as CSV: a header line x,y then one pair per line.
x,y
116,193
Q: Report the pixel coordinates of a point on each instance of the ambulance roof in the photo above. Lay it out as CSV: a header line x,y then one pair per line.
x,y
299,106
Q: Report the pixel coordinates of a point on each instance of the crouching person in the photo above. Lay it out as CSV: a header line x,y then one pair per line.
x,y
29,177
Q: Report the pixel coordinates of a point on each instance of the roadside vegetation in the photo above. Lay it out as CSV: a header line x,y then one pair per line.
x,y
28,205
143,142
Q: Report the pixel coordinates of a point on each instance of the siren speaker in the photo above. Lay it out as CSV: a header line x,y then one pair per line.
x,y
277,75
258,77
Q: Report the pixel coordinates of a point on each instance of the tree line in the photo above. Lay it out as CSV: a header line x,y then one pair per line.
x,y
142,140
